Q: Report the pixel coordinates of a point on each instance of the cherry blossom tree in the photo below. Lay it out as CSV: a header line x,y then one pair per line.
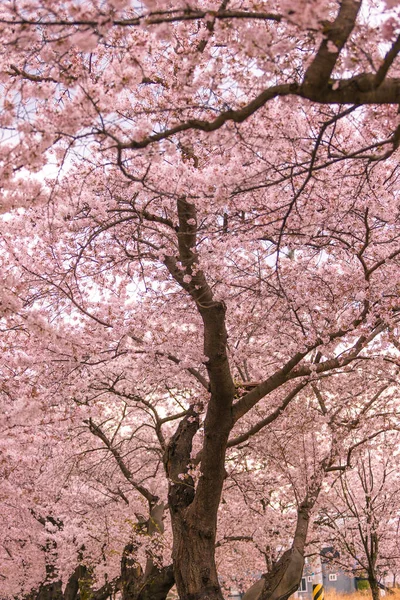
x,y
214,251
361,514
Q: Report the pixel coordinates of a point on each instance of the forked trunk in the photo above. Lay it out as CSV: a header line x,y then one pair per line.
x,y
72,590
193,508
79,586
194,511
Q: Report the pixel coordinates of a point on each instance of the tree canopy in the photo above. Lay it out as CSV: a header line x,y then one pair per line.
x,y
200,249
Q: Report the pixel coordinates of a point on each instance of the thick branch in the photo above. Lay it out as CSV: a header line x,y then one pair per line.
x,y
319,72
152,18
288,371
31,76
359,90
192,279
280,376
387,62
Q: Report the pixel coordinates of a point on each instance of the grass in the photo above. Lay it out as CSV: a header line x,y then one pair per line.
x,y
362,595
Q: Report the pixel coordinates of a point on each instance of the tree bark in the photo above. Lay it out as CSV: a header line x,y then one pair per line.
x,y
72,587
47,591
194,510
194,559
375,591
134,584
194,527
282,581
284,578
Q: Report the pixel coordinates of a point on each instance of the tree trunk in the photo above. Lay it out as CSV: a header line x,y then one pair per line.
x,y
284,578
136,586
47,591
72,587
282,581
194,511
193,517
194,558
375,591
153,584
157,585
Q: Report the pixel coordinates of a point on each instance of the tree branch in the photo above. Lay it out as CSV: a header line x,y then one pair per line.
x,y
387,62
98,432
317,76
271,417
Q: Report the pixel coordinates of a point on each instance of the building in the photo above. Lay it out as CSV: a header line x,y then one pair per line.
x,y
324,570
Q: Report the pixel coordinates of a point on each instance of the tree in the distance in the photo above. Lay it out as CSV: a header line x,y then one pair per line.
x,y
361,514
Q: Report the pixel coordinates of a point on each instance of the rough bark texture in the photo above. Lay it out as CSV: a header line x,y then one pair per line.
x,y
194,510
157,585
195,570
134,584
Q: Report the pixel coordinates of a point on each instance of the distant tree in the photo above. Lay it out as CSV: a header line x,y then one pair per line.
x,y
362,514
